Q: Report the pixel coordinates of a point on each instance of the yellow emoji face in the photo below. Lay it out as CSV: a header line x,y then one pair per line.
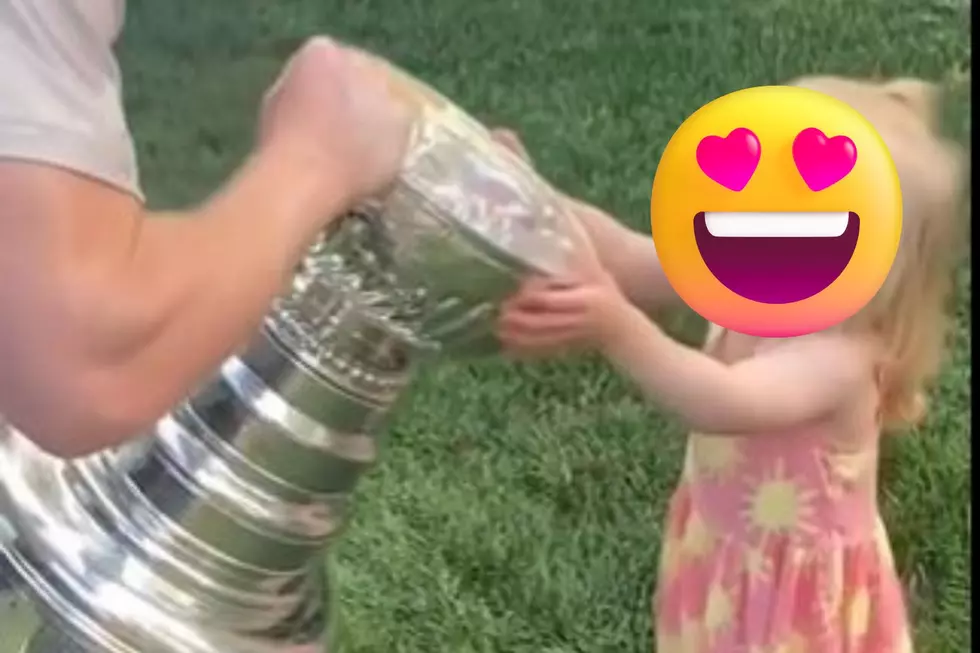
x,y
776,211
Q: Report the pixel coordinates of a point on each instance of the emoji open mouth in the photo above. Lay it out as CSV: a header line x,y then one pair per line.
x,y
776,257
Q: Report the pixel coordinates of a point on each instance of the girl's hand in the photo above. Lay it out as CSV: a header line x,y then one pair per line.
x,y
551,316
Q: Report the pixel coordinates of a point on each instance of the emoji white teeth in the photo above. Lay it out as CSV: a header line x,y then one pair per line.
x,y
773,224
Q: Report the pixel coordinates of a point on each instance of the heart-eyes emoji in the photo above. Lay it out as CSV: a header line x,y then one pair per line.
x,y
776,211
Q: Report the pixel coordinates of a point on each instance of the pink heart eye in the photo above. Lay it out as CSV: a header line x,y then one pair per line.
x,y
823,161
730,161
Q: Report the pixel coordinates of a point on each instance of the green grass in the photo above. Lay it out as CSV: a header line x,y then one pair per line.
x,y
518,507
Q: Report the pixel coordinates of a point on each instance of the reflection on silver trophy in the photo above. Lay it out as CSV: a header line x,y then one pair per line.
x,y
206,535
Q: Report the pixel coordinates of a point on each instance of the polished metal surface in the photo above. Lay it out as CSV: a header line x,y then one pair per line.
x,y
206,534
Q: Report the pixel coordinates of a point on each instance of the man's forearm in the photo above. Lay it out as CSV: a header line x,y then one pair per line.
x,y
211,274
127,320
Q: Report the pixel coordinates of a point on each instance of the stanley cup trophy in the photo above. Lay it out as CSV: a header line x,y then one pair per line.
x,y
206,534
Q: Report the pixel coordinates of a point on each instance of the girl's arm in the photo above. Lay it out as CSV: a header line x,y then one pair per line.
x,y
800,381
630,257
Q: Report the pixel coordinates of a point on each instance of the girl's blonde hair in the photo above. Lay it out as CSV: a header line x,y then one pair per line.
x,y
908,315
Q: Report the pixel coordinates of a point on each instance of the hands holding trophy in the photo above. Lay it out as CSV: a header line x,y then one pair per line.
x,y
205,535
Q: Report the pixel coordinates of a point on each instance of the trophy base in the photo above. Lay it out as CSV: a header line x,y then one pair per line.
x,y
24,630
102,595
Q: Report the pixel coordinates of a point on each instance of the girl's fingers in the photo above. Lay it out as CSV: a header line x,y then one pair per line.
x,y
586,261
522,352
527,292
535,322
533,285
562,299
537,346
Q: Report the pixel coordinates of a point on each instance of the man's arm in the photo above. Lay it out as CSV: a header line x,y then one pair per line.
x,y
110,315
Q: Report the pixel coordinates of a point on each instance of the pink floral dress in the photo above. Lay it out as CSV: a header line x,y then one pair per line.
x,y
774,544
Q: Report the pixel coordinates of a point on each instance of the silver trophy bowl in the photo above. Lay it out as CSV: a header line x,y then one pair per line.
x,y
206,534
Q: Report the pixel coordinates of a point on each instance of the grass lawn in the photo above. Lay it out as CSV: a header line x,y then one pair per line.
x,y
518,507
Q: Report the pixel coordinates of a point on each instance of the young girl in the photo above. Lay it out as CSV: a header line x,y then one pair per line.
x,y
774,541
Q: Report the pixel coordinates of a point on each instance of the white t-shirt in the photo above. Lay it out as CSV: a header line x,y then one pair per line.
x,y
61,90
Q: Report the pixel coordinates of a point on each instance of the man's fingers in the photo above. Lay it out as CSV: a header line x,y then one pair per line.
x,y
511,141
314,46
370,64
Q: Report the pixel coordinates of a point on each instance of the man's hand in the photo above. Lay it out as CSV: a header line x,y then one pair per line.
x,y
331,109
